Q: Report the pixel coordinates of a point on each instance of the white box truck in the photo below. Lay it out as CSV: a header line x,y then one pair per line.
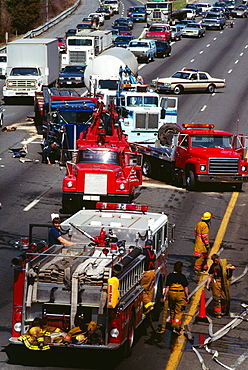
x,y
31,64
85,46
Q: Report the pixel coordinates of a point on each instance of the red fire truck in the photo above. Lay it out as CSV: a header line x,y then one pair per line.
x,y
196,154
105,167
96,280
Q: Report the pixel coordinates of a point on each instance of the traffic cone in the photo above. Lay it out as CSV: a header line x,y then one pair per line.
x,y
202,316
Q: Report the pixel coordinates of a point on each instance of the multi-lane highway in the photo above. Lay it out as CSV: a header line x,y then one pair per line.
x,y
31,191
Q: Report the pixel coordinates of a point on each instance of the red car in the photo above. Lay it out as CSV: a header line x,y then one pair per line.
x,y
61,44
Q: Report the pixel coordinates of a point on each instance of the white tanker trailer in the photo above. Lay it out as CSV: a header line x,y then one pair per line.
x,y
102,74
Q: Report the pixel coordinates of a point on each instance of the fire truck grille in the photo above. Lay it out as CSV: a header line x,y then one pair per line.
x,y
223,166
95,183
78,57
31,84
146,121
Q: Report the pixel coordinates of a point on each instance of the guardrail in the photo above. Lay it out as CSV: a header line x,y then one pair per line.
x,y
38,31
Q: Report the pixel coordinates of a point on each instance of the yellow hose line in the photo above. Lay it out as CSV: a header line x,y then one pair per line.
x,y
177,350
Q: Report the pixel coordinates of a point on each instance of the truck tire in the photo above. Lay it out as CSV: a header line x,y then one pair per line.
x,y
166,132
190,180
147,168
130,337
211,89
157,306
178,90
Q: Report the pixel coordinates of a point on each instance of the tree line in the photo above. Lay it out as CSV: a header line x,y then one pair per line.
x,y
20,16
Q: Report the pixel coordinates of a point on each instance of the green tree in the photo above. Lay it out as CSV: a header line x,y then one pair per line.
x,y
23,13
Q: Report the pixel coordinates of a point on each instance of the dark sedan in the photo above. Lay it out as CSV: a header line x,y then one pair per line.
x,y
163,49
72,75
124,30
122,41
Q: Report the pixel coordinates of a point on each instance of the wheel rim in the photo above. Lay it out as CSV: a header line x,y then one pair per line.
x,y
146,168
177,90
131,336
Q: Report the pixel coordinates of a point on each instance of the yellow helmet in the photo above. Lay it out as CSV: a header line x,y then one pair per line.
x,y
206,216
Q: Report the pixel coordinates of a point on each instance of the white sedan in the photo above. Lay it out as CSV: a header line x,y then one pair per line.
x,y
188,80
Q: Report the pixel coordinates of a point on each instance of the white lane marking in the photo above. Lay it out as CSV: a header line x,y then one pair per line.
x,y
141,66
215,38
192,60
246,46
230,70
207,45
201,52
31,205
203,108
213,94
36,200
236,61
241,54
240,359
29,140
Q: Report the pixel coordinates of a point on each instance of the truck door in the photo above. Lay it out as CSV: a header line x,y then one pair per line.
x,y
182,151
169,109
240,145
160,242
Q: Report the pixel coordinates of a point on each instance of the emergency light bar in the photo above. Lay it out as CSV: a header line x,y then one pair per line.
x,y
198,125
190,69
122,207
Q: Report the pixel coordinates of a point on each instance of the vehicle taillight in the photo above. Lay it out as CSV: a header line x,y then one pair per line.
x,y
24,242
17,321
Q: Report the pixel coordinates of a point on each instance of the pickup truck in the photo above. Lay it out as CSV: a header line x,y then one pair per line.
x,y
213,20
159,31
143,49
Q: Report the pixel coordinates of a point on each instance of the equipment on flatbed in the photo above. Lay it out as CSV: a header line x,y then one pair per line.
x,y
196,154
67,287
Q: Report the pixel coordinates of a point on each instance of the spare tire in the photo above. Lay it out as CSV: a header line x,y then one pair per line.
x,y
166,132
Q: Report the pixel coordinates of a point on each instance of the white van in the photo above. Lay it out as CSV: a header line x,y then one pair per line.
x,y
113,3
203,7
3,64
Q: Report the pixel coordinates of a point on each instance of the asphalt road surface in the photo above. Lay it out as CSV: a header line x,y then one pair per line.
x,y
31,191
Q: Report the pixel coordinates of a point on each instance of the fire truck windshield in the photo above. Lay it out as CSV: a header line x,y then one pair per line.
x,y
212,141
98,156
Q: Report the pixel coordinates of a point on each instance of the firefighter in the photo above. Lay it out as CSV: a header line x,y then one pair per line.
x,y
201,247
55,235
220,274
148,278
176,287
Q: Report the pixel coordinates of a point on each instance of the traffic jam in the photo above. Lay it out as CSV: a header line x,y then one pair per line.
x,y
103,267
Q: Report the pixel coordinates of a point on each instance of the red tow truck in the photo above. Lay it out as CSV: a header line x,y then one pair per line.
x,y
105,167
96,280
197,154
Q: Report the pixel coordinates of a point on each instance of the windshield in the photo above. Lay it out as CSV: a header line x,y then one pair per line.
x,y
75,118
183,75
212,141
157,29
98,156
137,44
24,72
142,101
80,42
108,84
3,59
72,69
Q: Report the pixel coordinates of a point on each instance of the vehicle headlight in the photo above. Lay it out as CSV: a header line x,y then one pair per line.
x,y
18,326
69,184
122,186
114,333
202,167
61,78
78,78
32,83
10,83
243,168
167,84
